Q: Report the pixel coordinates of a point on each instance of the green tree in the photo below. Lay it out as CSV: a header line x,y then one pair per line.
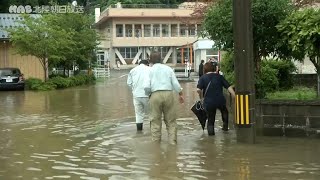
x,y
301,33
266,14
41,38
84,39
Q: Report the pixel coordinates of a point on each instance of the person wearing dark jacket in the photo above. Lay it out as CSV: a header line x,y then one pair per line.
x,y
211,86
201,68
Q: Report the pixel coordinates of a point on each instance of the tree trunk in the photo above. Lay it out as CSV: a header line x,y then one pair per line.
x,y
46,73
44,63
315,61
318,91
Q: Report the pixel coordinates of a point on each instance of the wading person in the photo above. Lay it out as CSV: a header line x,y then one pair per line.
x,y
201,68
163,87
211,86
135,81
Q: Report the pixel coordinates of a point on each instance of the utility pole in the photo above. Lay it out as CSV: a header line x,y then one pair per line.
x,y
244,71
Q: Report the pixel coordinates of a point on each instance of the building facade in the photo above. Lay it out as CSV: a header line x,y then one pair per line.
x,y
30,66
130,32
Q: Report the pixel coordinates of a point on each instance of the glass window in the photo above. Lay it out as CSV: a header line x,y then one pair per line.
x,y
102,57
192,30
212,52
163,52
119,30
174,30
128,52
183,30
129,30
138,30
165,30
147,30
156,30
199,28
122,51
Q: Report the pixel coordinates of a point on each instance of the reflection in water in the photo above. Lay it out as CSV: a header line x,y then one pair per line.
x,y
89,133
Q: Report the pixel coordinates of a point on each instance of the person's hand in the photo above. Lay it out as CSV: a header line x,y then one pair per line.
x,y
181,99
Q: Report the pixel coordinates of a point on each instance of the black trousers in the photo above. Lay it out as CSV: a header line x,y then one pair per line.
x,y
211,113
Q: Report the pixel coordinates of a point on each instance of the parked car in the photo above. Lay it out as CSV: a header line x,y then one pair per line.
x,y
11,79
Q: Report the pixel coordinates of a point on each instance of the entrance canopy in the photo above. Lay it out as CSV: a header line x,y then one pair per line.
x,y
203,44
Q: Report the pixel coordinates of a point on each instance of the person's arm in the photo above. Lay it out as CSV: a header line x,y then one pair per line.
x,y
177,87
200,93
228,86
231,91
147,85
175,83
200,87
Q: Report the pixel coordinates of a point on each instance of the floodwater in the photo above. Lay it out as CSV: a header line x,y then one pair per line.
x,y
89,133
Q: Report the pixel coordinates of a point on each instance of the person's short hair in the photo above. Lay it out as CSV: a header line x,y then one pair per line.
x,y
202,61
144,61
215,65
208,67
155,57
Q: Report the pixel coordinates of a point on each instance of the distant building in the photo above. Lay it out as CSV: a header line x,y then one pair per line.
x,y
130,32
29,65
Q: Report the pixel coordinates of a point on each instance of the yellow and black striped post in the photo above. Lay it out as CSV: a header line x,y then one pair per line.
x,y
242,110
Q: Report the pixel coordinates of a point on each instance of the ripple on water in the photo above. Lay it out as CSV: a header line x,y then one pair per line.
x,y
33,169
59,177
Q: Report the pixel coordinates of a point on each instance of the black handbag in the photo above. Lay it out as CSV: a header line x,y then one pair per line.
x,y
199,110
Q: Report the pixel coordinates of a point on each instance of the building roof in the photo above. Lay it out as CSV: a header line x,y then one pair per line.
x,y
10,21
146,11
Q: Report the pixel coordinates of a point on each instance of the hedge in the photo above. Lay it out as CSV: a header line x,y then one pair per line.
x,y
59,82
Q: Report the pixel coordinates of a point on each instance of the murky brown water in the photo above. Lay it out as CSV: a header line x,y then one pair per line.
x,y
89,133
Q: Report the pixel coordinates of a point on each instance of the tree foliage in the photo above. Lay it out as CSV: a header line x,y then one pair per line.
x,y
40,38
83,38
301,32
266,14
55,39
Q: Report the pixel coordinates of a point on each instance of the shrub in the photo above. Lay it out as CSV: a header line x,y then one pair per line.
x,y
59,82
227,67
285,69
38,85
266,81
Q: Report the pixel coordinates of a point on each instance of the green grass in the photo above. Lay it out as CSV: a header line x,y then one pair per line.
x,y
296,93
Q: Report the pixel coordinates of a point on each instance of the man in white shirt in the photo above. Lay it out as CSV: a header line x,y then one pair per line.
x,y
163,87
135,81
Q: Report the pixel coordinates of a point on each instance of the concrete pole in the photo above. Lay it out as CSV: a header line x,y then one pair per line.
x,y
244,71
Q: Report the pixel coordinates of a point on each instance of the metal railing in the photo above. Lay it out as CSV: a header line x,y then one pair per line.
x,y
101,72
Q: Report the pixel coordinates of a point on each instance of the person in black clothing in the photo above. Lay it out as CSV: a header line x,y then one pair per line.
x,y
201,68
210,90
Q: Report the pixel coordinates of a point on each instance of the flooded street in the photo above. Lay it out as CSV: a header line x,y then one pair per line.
x,y
90,133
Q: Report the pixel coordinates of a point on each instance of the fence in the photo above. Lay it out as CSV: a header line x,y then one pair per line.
x,y
101,72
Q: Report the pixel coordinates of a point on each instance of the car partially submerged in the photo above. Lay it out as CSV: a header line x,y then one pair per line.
x,y
11,79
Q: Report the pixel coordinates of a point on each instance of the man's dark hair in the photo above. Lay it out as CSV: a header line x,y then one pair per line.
x,y
155,57
202,61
